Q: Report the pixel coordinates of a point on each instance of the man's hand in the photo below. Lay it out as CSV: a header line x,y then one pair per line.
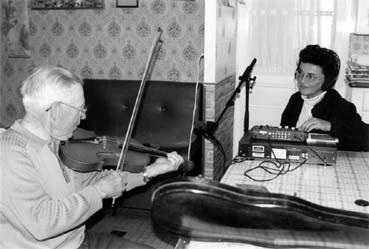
x,y
111,185
160,166
163,165
315,124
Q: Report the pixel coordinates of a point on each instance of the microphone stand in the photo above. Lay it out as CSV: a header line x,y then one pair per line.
x,y
210,127
249,82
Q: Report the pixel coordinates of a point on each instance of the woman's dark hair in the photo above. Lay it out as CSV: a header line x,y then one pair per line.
x,y
327,59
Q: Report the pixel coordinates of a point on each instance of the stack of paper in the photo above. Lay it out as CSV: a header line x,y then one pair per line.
x,y
357,75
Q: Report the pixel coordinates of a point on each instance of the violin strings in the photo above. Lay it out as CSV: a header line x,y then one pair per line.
x,y
194,106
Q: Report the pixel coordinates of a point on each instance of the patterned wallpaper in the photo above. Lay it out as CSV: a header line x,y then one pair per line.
x,y
112,43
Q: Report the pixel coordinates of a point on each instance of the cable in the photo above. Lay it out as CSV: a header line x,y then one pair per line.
x,y
240,159
194,107
278,167
208,135
218,145
278,170
316,153
281,168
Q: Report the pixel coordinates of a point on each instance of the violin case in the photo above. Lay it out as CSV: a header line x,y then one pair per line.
x,y
200,209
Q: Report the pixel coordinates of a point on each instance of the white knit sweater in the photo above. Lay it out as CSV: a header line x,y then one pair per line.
x,y
308,105
39,209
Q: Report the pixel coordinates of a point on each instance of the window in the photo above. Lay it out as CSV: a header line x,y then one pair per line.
x,y
279,29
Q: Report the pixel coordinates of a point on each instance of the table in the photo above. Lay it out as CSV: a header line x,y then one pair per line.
x,y
337,186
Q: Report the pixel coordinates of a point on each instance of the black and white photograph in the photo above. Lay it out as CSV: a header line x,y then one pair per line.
x,y
184,124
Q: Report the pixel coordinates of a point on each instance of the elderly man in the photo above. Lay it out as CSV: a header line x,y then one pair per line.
x,y
44,204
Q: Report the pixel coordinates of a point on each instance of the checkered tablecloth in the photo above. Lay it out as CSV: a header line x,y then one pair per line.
x,y
337,186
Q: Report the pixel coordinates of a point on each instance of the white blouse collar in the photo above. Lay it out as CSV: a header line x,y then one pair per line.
x,y
314,100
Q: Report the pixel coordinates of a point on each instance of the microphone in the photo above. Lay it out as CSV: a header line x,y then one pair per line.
x,y
246,74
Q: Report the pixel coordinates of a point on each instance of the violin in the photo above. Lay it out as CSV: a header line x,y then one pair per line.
x,y
91,154
86,152
94,152
101,156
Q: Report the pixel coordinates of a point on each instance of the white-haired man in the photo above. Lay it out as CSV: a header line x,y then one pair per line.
x,y
44,204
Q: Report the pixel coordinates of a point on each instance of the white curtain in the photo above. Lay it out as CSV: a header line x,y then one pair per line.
x,y
274,31
279,29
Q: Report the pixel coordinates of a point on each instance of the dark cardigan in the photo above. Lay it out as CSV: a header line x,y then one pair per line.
x,y
346,123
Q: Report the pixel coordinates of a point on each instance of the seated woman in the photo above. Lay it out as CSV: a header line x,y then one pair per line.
x,y
317,107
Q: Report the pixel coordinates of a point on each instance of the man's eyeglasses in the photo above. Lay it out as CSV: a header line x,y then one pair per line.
x,y
82,111
309,77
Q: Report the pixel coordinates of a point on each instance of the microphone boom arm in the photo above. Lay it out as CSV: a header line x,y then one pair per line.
x,y
250,82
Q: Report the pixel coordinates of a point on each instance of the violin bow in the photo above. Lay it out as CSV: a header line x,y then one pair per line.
x,y
149,66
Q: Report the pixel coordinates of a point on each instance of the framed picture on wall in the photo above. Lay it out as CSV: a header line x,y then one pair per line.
x,y
67,4
17,29
127,3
